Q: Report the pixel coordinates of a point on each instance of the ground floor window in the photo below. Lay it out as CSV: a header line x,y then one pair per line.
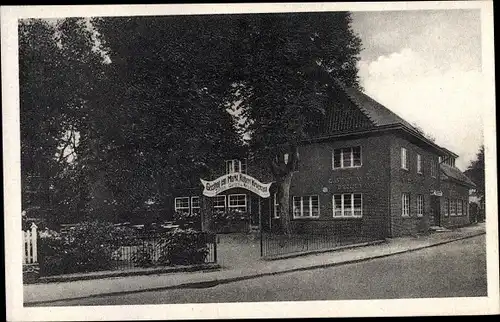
x,y
420,205
348,205
187,204
453,207
195,205
219,203
405,204
182,204
305,207
237,202
459,208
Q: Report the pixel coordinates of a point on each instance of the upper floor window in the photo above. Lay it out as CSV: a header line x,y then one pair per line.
x,y
433,168
236,165
237,202
419,163
348,205
404,158
347,157
305,207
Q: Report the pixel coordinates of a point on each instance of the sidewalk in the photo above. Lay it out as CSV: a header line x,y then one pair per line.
x,y
45,293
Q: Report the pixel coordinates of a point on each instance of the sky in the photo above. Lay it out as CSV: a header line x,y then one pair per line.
x,y
426,67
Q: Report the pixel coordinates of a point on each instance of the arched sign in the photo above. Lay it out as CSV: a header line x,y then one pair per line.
x,y
235,180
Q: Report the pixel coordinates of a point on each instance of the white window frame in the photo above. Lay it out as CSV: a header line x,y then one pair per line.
x,y
180,209
434,168
419,164
405,204
404,158
420,205
453,207
230,206
276,215
351,157
460,207
225,203
192,203
343,213
302,207
231,166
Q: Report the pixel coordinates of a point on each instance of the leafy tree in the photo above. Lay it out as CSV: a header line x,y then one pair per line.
x,y
165,93
475,171
285,78
57,72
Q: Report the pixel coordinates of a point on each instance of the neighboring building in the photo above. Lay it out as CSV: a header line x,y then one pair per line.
x,y
366,171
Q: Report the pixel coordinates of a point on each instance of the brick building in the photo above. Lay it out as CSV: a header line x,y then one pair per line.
x,y
367,170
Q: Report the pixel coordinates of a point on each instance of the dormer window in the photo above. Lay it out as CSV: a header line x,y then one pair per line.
x,y
450,161
235,165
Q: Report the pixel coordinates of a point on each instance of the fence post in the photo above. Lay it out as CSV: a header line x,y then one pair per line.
x,y
24,246
28,246
34,238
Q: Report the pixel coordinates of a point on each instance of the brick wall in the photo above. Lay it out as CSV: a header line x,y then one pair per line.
x,y
316,177
452,190
409,181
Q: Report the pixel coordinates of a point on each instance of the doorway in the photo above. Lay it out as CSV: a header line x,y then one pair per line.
x,y
435,210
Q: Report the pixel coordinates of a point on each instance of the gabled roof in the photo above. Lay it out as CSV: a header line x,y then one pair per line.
x,y
377,116
449,172
376,112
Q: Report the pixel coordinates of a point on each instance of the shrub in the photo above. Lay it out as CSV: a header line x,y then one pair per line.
x,y
176,247
88,246
187,220
142,257
183,247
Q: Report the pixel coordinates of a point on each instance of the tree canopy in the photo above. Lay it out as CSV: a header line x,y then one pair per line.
x,y
475,171
117,111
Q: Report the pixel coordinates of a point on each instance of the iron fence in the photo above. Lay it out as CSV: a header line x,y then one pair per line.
x,y
142,250
315,238
149,250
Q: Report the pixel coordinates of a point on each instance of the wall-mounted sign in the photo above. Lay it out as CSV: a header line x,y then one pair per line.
x,y
436,193
235,180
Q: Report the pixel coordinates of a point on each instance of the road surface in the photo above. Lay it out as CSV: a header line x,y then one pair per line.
x,y
456,269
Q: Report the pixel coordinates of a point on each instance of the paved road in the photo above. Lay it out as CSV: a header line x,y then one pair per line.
x,y
452,270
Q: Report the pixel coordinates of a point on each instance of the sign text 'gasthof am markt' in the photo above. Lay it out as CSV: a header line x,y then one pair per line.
x,y
235,180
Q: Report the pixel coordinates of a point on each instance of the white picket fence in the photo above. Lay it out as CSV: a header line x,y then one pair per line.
x,y
29,245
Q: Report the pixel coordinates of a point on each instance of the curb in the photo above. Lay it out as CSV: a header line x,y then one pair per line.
x,y
320,251
142,272
216,282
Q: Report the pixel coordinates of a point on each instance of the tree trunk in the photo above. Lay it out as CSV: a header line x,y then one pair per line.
x,y
283,195
283,173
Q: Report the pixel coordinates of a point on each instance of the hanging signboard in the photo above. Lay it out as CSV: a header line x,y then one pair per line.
x,y
235,180
436,193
